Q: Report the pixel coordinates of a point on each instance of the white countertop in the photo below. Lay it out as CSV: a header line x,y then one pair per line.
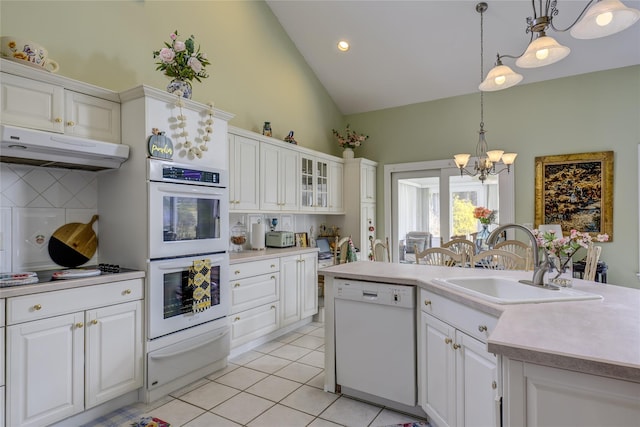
x,y
253,255
600,337
47,284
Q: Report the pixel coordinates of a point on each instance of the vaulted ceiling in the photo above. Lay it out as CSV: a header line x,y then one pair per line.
x,y
406,52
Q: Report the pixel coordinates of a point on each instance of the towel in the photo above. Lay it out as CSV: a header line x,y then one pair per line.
x,y
200,283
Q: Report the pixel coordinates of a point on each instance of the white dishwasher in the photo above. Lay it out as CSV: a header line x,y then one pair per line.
x,y
375,339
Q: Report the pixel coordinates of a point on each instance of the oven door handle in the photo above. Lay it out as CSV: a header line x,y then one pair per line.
x,y
194,190
155,355
178,265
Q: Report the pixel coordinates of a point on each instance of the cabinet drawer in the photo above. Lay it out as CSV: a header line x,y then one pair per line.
x,y
254,323
47,304
254,268
253,292
474,322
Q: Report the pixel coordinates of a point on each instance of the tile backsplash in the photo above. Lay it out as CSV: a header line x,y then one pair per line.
x,y
34,202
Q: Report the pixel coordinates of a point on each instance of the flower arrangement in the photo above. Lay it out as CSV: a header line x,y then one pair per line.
x,y
566,246
181,59
484,215
350,139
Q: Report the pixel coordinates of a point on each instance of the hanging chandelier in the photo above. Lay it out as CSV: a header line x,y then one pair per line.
x,y
599,18
486,160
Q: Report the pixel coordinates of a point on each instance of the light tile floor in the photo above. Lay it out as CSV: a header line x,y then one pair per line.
x,y
279,384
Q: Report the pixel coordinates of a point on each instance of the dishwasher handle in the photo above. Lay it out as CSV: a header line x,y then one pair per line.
x,y
369,295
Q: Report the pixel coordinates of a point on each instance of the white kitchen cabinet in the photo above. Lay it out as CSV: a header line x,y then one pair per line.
x,y
244,173
536,395
113,346
90,117
279,171
50,107
72,349
255,289
298,287
254,323
458,379
314,184
336,171
359,203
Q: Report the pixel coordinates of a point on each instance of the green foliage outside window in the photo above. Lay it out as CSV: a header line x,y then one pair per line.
x,y
463,220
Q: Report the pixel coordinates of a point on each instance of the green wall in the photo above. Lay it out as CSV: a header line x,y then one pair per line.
x,y
258,75
591,112
256,71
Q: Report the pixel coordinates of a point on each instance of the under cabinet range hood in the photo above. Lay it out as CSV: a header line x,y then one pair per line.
x,y
38,148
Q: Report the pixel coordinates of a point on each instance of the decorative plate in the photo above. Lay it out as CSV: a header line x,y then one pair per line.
x,y
75,273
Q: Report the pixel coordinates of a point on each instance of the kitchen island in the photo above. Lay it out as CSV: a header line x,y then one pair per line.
x,y
577,352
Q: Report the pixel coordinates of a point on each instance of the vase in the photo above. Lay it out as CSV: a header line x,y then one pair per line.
x,y
561,270
481,238
183,85
347,153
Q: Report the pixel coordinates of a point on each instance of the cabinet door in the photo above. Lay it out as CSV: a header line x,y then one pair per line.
x,y
269,177
32,104
254,323
322,185
90,117
336,171
308,273
114,352
477,383
244,161
289,290
368,183
253,292
290,189
437,370
45,370
307,183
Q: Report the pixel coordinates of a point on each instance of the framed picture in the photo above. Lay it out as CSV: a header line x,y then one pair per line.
x,y
301,240
575,191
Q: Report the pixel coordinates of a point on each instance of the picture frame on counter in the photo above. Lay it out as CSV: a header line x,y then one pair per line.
x,y
301,240
575,191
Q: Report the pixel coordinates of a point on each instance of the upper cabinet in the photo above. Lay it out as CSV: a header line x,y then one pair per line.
x,y
368,182
52,107
314,181
279,178
274,176
244,162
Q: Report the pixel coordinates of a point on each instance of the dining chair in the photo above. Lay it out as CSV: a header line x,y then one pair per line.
x,y
340,250
379,249
591,262
518,248
441,256
498,259
461,246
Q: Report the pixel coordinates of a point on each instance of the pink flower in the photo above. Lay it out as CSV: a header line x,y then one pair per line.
x,y
194,64
167,55
179,46
173,36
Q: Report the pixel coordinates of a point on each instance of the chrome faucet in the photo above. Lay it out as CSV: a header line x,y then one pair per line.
x,y
539,268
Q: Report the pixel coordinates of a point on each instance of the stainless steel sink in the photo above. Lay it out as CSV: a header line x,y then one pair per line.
x,y
502,290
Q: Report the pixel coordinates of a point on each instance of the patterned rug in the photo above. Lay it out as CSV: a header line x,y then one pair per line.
x,y
128,416
420,424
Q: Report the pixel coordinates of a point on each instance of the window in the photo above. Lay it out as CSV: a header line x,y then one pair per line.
x,y
433,197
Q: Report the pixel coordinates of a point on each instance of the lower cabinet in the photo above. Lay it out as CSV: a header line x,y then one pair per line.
x,y
270,294
458,378
255,289
536,395
67,359
299,287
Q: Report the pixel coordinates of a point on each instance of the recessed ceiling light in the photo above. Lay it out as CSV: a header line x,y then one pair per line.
x,y
343,45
